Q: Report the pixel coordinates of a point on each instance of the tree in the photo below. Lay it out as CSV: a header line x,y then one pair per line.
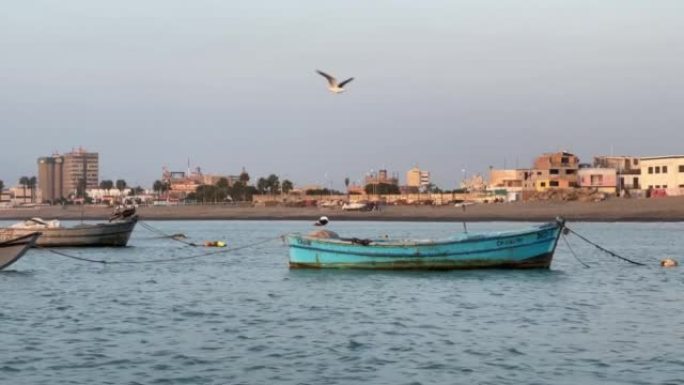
x,y
222,183
2,186
287,186
157,186
381,188
136,191
32,183
244,177
273,184
210,193
346,186
24,181
262,185
121,185
106,185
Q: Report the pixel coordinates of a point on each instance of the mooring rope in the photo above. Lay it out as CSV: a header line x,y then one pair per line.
x,y
165,235
573,252
210,253
611,253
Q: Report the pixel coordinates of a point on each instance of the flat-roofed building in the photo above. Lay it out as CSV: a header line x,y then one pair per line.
x,y
81,171
601,179
418,178
511,179
628,170
663,175
381,177
556,170
51,178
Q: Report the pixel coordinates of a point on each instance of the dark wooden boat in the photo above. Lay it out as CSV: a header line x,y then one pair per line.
x,y
113,234
13,249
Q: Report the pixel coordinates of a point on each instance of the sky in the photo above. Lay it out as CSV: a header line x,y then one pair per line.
x,y
451,86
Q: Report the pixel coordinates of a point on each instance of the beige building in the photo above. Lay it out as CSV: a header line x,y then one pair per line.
x,y
511,179
81,170
51,178
663,175
416,177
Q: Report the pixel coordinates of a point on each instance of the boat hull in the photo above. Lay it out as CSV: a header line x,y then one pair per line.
x,y
114,234
531,248
13,249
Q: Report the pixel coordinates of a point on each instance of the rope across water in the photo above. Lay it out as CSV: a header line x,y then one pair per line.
x,y
611,253
162,260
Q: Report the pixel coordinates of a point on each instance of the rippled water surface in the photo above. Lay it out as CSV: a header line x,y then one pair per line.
x,y
245,318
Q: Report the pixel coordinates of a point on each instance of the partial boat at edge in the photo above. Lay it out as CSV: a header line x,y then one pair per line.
x,y
13,249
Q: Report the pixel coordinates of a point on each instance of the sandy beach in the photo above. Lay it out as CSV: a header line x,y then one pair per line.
x,y
661,209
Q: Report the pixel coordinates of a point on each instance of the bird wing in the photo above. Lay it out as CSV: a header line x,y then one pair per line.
x,y
331,79
345,82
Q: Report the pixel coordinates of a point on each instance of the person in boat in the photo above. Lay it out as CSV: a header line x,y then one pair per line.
x,y
322,221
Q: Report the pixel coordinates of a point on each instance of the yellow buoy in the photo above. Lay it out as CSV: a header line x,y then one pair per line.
x,y
214,244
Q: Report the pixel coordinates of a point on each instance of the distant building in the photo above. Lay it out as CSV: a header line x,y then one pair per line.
x,y
21,195
628,170
5,197
601,179
381,177
663,175
63,176
181,183
51,178
556,170
418,178
511,179
81,171
474,183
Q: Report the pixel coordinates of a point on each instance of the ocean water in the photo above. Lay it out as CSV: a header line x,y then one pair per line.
x,y
245,318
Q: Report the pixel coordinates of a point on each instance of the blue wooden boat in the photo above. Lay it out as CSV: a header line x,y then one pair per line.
x,y
526,248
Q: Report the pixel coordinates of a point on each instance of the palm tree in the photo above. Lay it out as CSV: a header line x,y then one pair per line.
x,y
287,186
273,184
157,186
2,186
107,185
24,181
32,183
244,180
346,187
121,185
244,177
262,185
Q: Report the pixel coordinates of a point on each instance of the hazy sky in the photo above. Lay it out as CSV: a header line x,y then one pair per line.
x,y
447,85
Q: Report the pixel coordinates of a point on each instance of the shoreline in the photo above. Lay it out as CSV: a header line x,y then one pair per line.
x,y
669,209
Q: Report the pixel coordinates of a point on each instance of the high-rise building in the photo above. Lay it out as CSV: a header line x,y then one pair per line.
x,y
81,171
416,177
50,178
64,176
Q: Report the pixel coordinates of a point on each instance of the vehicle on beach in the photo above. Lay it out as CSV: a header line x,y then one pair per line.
x,y
525,248
356,206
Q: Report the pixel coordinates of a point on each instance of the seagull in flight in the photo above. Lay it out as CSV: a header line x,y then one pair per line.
x,y
333,85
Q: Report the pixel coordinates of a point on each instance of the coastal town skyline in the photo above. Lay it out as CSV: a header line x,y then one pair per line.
x,y
195,82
